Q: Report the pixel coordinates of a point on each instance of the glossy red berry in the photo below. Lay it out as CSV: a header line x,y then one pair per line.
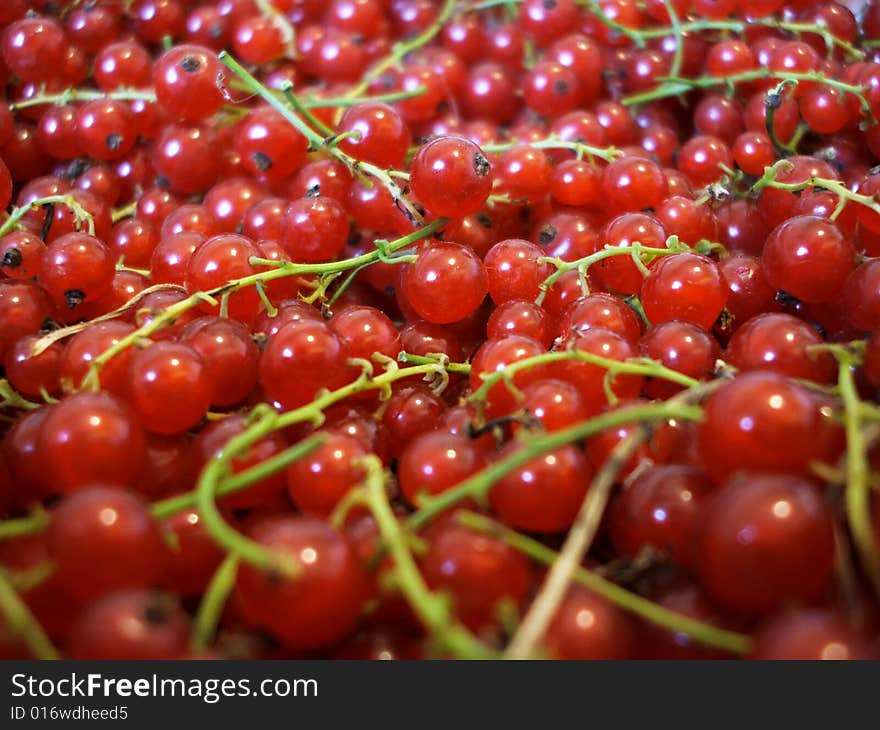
x,y
91,438
102,540
479,572
189,80
446,283
301,358
766,540
170,387
319,605
684,286
451,176
809,258
314,229
759,421
545,493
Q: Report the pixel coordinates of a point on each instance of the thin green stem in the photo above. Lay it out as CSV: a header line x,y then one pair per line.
x,y
71,95
212,603
702,633
555,143
635,366
461,368
23,624
237,482
858,489
18,526
347,101
433,610
670,86
401,49
81,215
636,250
357,167
279,269
477,486
576,545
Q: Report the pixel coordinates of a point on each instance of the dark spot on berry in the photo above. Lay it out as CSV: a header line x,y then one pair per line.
x,y
481,164
547,235
74,297
190,64
313,191
113,141
874,171
548,4
787,300
262,161
77,168
260,340
484,220
215,30
162,182
560,86
12,259
49,325
158,610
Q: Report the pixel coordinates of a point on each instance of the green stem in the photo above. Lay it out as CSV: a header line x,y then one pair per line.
x,y
401,49
23,624
674,86
576,545
37,522
212,604
433,610
700,632
317,141
462,368
80,213
279,269
636,250
236,482
71,95
11,398
555,143
478,486
768,180
266,421
346,101
635,366
858,490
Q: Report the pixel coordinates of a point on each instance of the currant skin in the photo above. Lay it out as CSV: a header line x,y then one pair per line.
x,y
738,567
318,606
451,176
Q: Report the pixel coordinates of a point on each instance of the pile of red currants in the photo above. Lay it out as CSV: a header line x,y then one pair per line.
x,y
439,328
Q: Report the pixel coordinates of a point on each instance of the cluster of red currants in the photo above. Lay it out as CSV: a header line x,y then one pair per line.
x,y
506,260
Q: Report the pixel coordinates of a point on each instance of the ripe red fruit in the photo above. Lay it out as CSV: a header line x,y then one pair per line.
x,y
451,176
170,387
301,358
684,286
766,540
545,493
91,438
446,283
480,573
759,421
102,540
188,80
809,258
320,603
587,626
132,624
